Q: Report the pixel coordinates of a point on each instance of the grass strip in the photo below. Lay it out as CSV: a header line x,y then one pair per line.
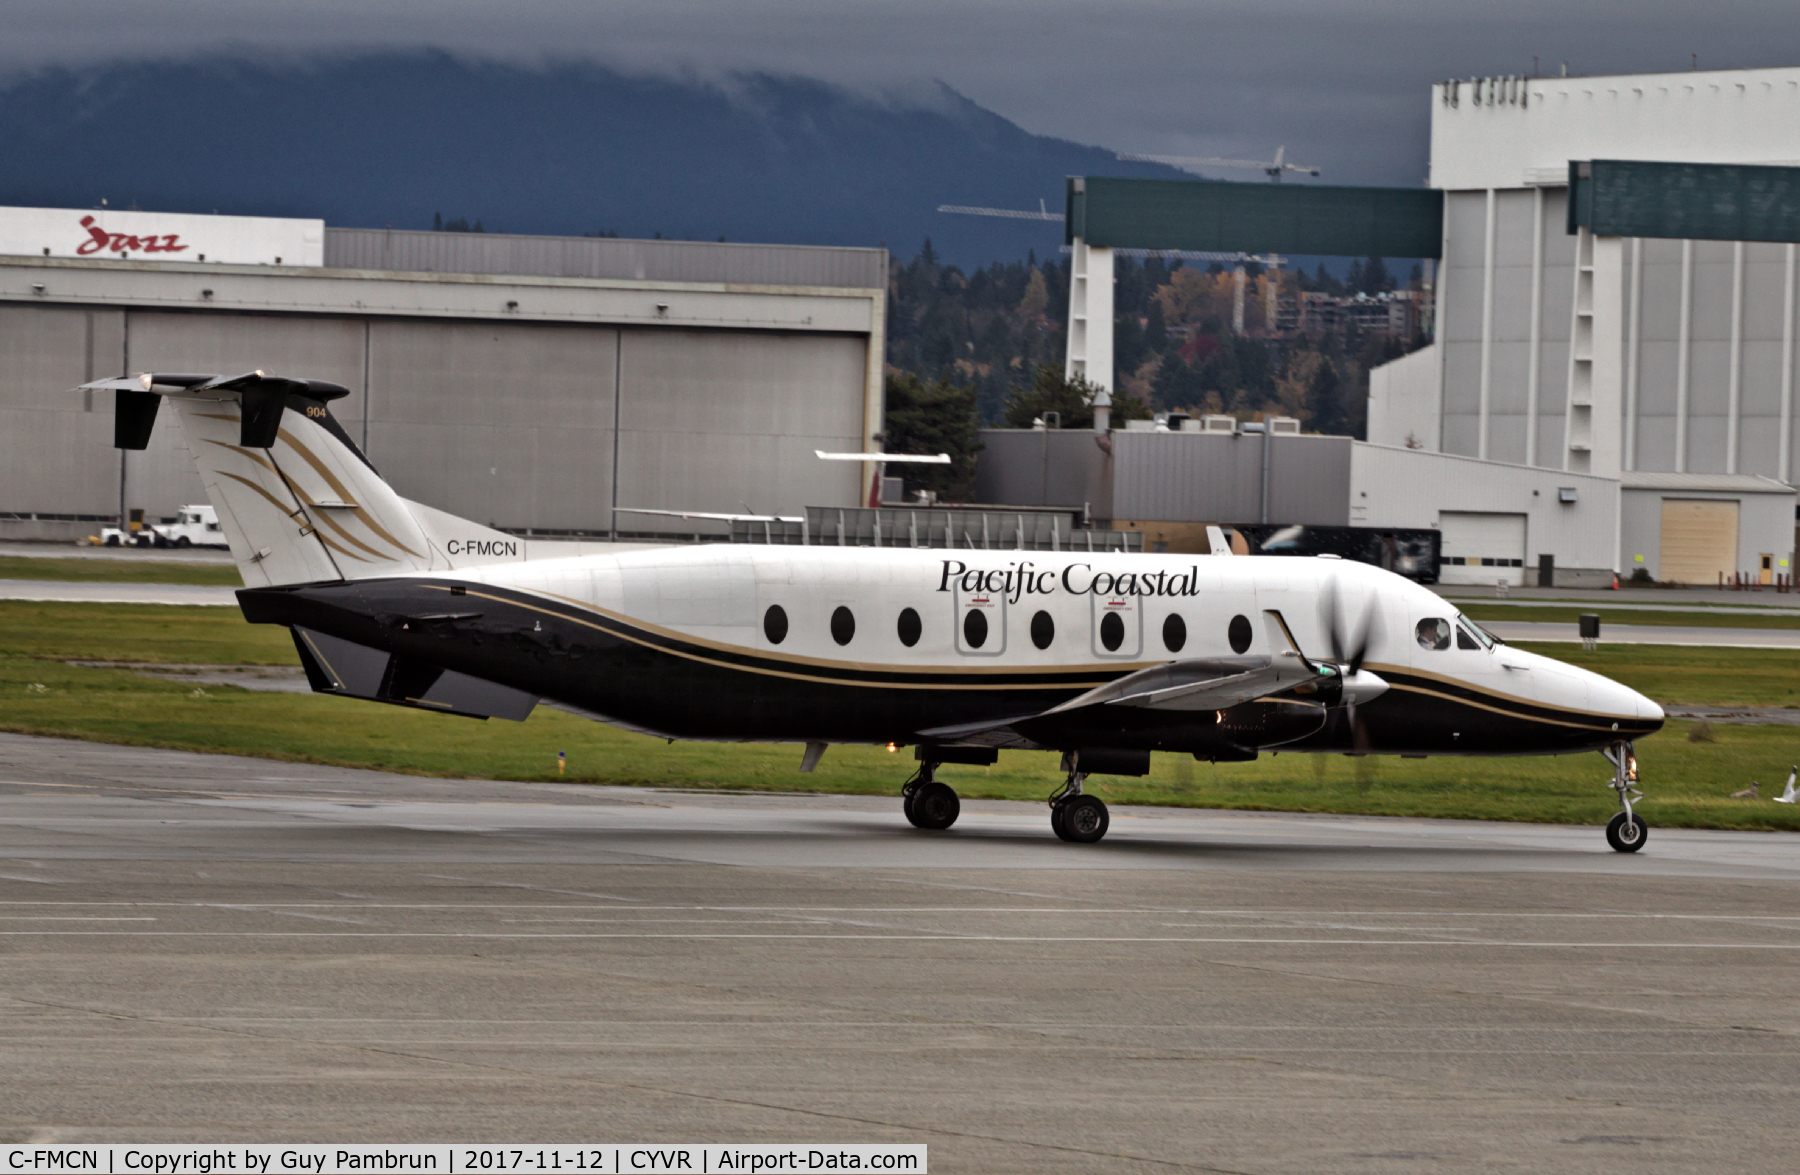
x,y
176,634
123,569
1687,783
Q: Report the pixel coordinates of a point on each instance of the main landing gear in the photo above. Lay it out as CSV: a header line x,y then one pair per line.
x,y
927,803
1075,817
1626,831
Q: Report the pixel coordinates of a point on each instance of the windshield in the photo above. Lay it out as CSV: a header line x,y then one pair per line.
x,y
1483,637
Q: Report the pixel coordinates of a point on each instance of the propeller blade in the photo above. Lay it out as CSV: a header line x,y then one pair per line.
x,y
1349,643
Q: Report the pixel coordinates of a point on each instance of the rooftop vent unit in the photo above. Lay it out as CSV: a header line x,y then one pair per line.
x,y
1284,426
1222,424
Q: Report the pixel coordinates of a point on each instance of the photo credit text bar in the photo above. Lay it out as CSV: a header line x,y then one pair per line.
x,y
460,1159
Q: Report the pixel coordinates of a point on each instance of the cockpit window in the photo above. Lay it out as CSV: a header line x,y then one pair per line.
x,y
1433,633
1470,635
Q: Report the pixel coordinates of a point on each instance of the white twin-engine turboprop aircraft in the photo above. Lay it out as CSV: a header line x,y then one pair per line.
x,y
1102,658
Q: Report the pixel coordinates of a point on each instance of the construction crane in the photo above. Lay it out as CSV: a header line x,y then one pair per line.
x,y
1271,168
1042,213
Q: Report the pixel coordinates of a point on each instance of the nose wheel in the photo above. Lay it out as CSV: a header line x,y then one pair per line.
x,y
1626,831
1074,816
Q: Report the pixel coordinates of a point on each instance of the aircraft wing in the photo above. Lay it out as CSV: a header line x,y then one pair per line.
x,y
1216,684
1193,685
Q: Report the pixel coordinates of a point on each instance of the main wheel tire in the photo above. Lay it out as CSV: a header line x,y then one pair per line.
x,y
1627,837
1056,820
906,806
935,807
1085,820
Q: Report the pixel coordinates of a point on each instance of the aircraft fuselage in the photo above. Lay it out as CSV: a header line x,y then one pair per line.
x,y
859,645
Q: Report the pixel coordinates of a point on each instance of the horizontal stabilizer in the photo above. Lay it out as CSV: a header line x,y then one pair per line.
x,y
263,398
337,666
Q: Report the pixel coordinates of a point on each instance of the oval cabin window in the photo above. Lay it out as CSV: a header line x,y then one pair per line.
x,y
1112,631
1239,633
775,624
975,628
843,625
909,627
1043,630
1174,633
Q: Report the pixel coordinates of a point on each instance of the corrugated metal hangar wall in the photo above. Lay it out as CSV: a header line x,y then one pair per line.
x,y
529,401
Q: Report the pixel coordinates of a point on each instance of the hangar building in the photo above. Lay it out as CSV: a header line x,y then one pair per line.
x,y
1612,381
1648,338
541,385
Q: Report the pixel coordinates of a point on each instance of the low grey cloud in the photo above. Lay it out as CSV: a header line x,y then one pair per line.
x,y
1341,83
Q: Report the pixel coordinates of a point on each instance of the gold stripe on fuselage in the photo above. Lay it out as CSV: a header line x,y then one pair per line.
x,y
850,666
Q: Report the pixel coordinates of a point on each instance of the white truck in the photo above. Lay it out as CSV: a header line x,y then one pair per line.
x,y
194,526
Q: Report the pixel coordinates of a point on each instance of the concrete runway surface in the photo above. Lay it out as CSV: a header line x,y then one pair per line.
x,y
209,948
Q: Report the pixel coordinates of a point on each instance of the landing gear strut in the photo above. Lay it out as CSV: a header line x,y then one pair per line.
x,y
1626,831
927,803
1074,816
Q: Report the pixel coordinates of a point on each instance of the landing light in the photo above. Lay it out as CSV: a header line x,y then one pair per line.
x,y
892,747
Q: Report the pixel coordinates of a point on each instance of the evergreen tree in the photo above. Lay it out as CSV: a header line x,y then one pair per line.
x,y
925,418
1072,399
1325,406
1156,331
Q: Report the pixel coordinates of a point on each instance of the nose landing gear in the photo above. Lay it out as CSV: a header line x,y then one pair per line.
x,y
927,803
1626,832
1075,817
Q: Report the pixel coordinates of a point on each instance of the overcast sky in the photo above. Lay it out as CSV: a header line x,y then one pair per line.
x,y
1342,83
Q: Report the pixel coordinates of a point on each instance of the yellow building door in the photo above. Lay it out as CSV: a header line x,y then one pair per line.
x,y
1699,540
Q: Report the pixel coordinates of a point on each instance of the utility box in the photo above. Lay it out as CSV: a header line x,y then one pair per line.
x,y
1590,629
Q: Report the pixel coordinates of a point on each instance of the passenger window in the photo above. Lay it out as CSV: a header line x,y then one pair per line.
x,y
775,624
1238,633
1174,633
1112,631
975,628
1433,633
843,626
909,627
1043,630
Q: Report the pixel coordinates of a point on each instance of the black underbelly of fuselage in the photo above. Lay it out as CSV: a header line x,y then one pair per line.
x,y
658,682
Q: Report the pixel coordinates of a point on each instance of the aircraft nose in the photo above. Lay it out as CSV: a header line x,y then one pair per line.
x,y
1615,700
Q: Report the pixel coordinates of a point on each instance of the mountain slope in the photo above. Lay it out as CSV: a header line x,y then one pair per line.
x,y
393,139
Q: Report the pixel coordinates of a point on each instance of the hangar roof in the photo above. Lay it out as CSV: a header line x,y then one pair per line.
x,y
605,258
1728,483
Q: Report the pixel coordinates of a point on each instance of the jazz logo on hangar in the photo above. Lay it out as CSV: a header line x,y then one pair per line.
x,y
100,240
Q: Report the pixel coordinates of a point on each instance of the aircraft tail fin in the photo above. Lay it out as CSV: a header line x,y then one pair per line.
x,y
297,500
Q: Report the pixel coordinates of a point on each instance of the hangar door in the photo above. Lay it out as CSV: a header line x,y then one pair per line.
x,y
1699,540
1482,548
